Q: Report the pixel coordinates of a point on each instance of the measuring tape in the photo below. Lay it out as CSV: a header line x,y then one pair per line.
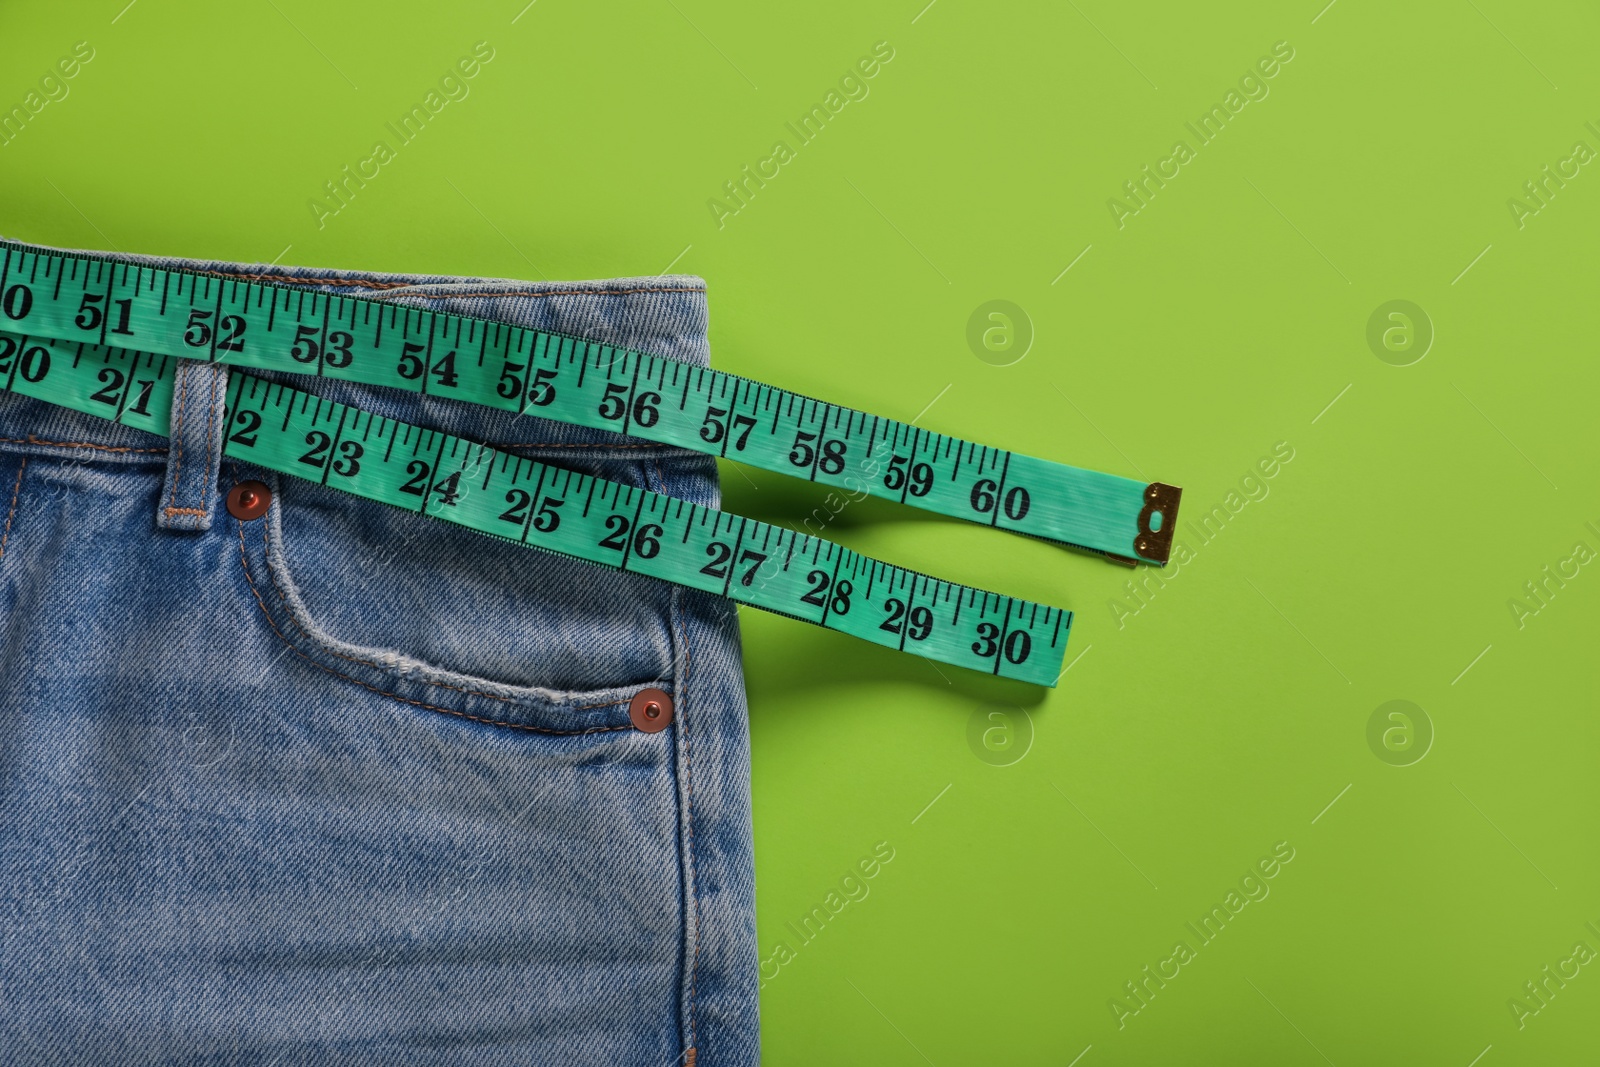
x,y
103,337
76,297
558,510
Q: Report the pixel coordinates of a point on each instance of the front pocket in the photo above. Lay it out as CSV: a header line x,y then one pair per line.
x,y
449,620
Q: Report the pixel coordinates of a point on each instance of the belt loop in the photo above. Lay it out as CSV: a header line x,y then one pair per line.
x,y
199,402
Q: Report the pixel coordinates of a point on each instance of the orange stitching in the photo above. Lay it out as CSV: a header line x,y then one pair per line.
x,y
266,546
177,433
32,440
563,292
305,281
17,489
395,696
211,426
362,284
185,511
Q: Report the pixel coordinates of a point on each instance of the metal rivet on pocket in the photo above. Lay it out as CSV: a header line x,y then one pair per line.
x,y
249,500
650,710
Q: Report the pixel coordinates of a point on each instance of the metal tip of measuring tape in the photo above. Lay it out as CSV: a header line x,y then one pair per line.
x,y
1154,540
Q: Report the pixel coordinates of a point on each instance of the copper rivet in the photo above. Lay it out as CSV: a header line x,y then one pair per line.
x,y
249,500
650,710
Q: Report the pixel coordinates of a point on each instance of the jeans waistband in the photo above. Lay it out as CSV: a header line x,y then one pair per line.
x,y
663,314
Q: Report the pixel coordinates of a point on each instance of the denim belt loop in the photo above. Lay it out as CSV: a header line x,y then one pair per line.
x,y
198,408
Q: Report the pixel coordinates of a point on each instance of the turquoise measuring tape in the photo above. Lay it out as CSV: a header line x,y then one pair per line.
x,y
102,337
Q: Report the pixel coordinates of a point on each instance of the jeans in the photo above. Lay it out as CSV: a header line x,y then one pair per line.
x,y
341,784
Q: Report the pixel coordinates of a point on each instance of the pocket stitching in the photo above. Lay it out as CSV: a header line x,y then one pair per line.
x,y
294,617
267,614
325,642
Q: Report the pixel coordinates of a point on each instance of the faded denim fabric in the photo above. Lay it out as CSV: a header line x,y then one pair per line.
x,y
347,785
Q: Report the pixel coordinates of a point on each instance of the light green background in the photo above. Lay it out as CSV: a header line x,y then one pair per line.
x,y
1226,316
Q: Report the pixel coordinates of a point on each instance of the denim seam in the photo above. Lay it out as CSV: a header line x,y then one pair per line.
x,y
361,284
688,782
558,292
128,448
32,440
211,431
267,614
16,491
681,690
666,450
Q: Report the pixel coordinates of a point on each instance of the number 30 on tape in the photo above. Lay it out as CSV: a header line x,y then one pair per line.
x,y
100,336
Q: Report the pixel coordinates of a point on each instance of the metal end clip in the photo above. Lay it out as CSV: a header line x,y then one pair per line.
x,y
1154,542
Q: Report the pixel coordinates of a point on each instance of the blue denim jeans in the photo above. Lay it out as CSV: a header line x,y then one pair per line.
x,y
341,784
